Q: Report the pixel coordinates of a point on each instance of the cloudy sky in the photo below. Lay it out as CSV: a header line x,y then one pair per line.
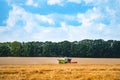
x,y
59,20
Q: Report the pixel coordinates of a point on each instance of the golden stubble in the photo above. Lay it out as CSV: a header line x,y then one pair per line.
x,y
60,72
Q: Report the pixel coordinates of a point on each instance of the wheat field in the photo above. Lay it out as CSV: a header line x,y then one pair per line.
x,y
60,72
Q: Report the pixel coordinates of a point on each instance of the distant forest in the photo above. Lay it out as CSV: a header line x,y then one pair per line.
x,y
84,48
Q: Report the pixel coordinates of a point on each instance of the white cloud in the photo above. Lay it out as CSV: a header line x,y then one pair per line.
x,y
2,29
46,18
29,20
50,34
94,20
89,18
75,1
110,11
62,2
22,24
73,32
53,2
101,26
32,3
65,32
14,15
26,26
88,1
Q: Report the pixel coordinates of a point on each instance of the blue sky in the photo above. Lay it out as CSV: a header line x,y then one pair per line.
x,y
59,20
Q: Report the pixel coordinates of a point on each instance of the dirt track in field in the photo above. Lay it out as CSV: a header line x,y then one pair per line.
x,y
53,60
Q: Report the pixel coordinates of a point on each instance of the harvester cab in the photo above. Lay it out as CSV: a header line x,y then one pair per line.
x,y
64,60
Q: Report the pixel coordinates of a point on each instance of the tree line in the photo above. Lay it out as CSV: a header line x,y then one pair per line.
x,y
84,48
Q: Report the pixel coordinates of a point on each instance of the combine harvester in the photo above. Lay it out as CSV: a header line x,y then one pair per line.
x,y
66,61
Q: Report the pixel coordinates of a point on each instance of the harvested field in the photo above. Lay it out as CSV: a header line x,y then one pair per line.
x,y
53,60
60,72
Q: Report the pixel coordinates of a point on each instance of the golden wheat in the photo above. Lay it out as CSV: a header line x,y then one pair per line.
x,y
60,72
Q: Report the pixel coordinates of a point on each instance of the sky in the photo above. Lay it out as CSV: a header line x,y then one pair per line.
x,y
59,20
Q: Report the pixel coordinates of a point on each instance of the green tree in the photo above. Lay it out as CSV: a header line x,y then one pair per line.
x,y
4,49
15,48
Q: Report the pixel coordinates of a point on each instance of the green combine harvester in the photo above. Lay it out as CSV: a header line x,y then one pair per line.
x,y
64,61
